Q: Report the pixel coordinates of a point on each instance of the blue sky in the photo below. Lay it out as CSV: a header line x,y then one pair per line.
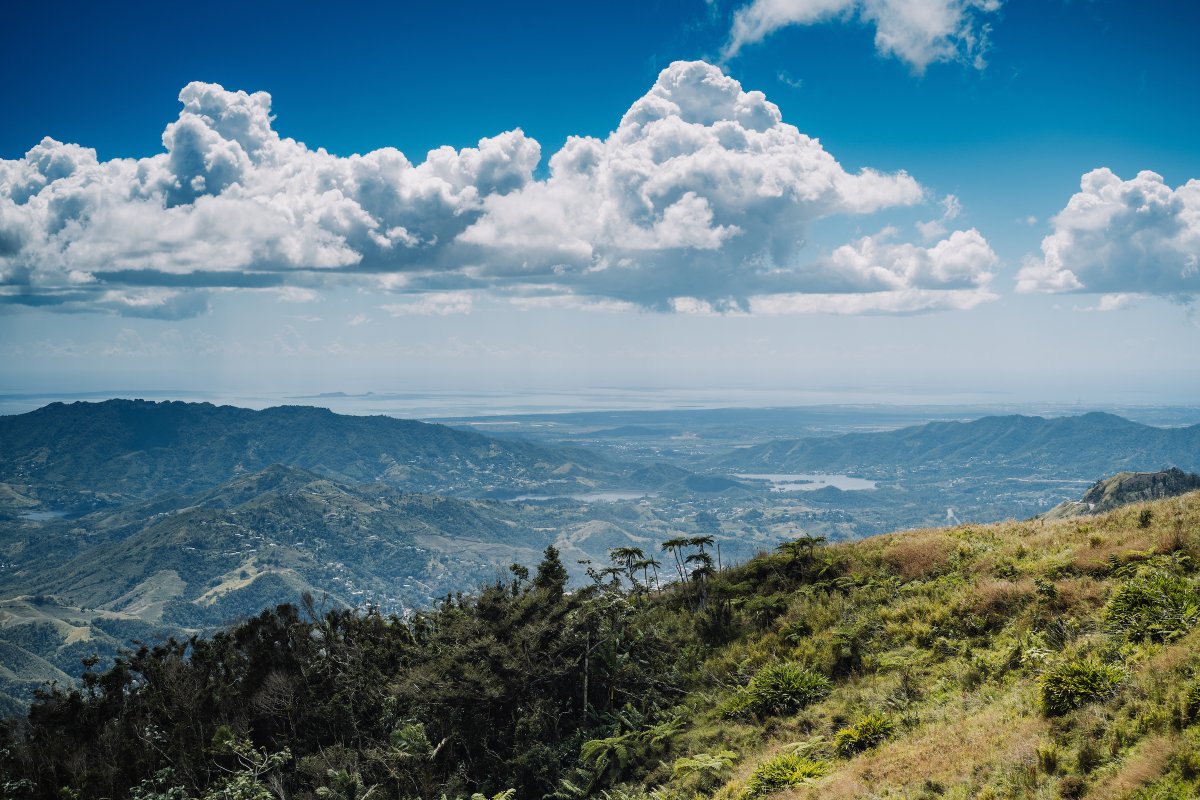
x,y
968,261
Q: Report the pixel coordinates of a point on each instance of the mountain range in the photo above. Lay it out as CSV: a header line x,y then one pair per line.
x,y
1088,445
83,455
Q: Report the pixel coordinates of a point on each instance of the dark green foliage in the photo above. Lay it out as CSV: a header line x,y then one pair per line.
x,y
484,694
782,771
780,688
551,575
868,732
1157,606
1076,682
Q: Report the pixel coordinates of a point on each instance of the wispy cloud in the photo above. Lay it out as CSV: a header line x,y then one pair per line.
x,y
918,32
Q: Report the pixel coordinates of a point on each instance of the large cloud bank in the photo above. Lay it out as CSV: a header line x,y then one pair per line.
x,y
1121,237
918,32
701,198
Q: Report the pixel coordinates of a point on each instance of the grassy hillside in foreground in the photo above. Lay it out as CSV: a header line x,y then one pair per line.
x,y
1036,659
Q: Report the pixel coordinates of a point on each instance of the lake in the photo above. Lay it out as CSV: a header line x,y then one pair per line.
x,y
809,482
596,497
43,516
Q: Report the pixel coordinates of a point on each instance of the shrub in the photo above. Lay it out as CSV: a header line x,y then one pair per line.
x,y
913,558
781,688
704,771
862,735
1072,787
737,705
1048,757
782,771
784,688
1072,684
1157,606
1192,702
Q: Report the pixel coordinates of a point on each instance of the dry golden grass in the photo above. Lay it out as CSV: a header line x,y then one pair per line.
x,y
959,749
1174,657
920,554
1139,769
999,597
1081,595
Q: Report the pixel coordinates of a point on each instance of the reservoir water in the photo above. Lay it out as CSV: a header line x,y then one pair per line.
x,y
809,482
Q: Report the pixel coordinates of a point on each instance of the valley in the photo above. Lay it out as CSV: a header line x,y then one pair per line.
x,y
132,520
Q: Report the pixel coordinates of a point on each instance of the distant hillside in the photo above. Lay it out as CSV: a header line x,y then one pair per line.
x,y
1090,444
89,453
170,567
205,561
1125,488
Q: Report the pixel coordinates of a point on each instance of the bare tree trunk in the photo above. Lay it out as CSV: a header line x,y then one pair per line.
x,y
587,657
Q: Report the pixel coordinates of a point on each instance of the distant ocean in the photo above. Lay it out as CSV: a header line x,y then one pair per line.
x,y
458,404
433,404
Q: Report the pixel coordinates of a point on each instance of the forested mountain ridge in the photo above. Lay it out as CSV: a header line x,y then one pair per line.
x,y
83,454
1089,444
1022,659
174,566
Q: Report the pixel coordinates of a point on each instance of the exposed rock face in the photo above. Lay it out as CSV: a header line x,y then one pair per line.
x,y
1125,488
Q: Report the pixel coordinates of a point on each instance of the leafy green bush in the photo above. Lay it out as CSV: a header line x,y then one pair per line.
x,y
1157,606
863,735
704,771
781,688
1074,683
782,771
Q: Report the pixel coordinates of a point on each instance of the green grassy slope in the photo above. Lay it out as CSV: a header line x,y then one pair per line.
x,y
951,642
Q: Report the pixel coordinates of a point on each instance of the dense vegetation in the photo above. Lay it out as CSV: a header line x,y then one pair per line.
x,y
1026,659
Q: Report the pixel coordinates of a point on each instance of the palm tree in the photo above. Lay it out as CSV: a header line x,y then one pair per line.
x,y
345,785
674,547
627,556
644,565
806,545
704,560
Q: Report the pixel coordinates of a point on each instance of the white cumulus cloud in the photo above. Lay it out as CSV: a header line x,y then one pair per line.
x,y
918,32
1121,238
701,192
